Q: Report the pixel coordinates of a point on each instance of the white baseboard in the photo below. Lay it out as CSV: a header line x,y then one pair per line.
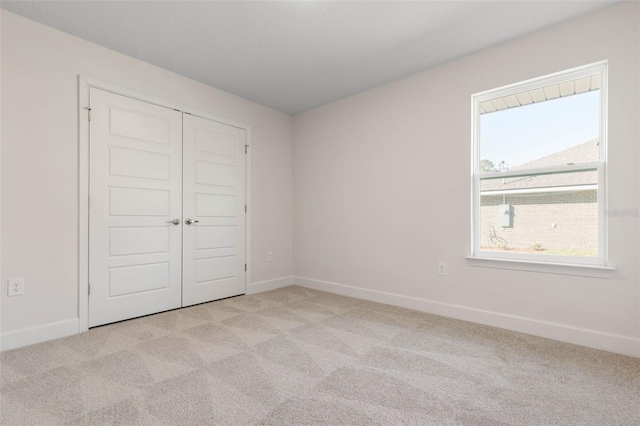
x,y
30,336
42,333
261,286
591,338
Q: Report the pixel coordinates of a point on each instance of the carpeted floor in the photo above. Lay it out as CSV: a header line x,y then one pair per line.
x,y
298,356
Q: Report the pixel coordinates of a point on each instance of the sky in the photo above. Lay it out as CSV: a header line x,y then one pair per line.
x,y
526,133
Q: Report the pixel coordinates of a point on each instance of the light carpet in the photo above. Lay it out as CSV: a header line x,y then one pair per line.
x,y
299,356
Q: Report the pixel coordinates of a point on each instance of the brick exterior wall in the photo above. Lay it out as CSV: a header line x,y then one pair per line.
x,y
575,215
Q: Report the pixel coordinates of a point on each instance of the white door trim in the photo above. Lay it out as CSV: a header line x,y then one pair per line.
x,y
84,84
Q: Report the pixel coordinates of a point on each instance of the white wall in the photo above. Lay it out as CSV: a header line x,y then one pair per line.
x,y
382,191
40,68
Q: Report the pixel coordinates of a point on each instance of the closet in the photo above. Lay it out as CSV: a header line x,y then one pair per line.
x,y
166,208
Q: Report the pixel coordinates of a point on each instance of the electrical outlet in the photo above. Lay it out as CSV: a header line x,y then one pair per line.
x,y
442,269
15,287
269,256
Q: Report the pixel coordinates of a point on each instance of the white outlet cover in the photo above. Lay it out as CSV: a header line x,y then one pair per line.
x,y
15,286
442,269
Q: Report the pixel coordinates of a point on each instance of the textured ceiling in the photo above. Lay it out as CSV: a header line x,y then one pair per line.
x,y
296,55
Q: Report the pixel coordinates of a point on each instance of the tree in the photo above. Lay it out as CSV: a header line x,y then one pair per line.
x,y
487,166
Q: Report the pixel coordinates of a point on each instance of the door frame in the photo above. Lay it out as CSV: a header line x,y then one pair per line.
x,y
84,84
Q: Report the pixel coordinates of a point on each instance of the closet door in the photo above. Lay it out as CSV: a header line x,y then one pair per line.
x,y
214,210
135,229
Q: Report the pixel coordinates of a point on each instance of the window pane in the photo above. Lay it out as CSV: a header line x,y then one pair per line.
x,y
556,222
550,126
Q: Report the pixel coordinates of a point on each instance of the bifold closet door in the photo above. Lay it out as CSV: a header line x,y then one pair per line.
x,y
135,229
214,210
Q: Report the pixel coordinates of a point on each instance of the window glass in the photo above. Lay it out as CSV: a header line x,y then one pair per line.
x,y
559,219
538,169
549,132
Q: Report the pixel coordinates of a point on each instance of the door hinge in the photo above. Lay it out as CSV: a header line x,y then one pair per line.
x,y
245,208
245,267
89,288
88,112
246,147
89,202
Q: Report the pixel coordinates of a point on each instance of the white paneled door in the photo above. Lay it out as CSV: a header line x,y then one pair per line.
x,y
167,209
214,210
135,192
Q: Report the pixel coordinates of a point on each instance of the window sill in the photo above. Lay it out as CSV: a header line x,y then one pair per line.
x,y
544,267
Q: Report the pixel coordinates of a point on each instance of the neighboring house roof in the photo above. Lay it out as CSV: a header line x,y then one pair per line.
x,y
586,152
553,91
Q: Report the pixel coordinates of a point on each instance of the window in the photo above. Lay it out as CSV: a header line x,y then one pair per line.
x,y
539,161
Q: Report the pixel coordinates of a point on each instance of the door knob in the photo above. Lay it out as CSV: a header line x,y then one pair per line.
x,y
189,221
175,221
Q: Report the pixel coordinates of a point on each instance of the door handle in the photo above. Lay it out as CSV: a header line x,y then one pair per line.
x,y
175,221
189,221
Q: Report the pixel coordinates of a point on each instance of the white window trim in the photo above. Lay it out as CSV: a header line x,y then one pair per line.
x,y
546,267
597,266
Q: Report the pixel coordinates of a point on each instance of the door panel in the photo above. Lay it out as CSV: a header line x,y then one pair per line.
x,y
135,189
139,202
214,194
138,240
208,173
215,206
127,162
139,125
125,280
214,237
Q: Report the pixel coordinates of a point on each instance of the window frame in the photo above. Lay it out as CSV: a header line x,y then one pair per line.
x,y
529,259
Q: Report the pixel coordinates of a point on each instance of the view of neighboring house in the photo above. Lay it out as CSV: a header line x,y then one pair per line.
x,y
548,214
